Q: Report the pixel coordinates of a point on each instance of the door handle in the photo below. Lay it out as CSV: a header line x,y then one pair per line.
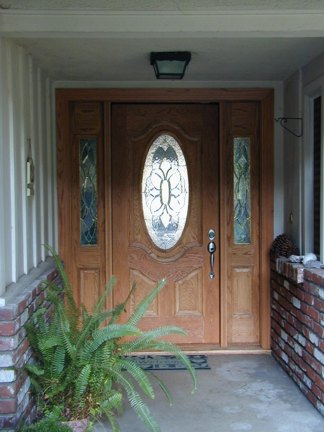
x,y
211,247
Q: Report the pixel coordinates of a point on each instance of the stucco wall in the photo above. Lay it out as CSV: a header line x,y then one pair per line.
x,y
26,115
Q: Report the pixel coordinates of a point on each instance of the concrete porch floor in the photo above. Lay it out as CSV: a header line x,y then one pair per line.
x,y
239,393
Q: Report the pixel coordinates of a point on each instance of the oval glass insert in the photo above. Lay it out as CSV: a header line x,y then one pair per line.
x,y
165,191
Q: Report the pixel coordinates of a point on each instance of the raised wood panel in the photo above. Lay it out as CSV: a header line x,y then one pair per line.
x,y
143,286
189,294
89,287
87,118
242,291
153,267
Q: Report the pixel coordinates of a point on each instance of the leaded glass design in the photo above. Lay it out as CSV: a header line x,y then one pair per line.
x,y
165,191
242,190
88,192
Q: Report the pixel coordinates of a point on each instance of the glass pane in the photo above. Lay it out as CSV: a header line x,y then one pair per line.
x,y
242,191
165,192
88,192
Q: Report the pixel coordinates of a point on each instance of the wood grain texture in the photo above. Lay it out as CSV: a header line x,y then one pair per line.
x,y
81,121
190,298
243,273
116,219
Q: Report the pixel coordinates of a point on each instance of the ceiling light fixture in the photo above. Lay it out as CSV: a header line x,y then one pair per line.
x,y
170,65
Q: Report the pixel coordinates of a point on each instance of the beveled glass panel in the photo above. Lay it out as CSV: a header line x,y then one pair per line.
x,y
88,192
165,191
242,190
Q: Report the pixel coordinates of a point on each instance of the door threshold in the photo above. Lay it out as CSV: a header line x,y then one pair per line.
x,y
217,349
213,350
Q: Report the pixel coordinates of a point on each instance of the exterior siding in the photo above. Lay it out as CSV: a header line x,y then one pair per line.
x,y
26,116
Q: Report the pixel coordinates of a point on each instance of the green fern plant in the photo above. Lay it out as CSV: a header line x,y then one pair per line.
x,y
82,368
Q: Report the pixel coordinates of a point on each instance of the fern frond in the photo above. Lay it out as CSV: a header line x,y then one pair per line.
x,y
49,343
175,350
58,361
114,401
100,304
112,420
139,376
34,369
68,345
72,307
137,315
82,382
136,402
163,387
140,343
112,331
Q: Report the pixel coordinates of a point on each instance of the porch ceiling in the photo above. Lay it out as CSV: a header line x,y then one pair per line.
x,y
110,40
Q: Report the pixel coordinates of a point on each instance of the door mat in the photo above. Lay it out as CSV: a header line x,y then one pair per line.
x,y
169,362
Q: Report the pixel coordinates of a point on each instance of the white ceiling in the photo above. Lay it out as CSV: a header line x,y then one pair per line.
x,y
110,40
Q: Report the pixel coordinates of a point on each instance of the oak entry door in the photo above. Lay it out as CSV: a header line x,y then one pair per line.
x,y
165,199
173,184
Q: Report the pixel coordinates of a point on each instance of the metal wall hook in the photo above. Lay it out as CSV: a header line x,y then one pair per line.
x,y
283,123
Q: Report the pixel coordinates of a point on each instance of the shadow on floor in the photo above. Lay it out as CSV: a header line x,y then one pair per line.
x,y
239,393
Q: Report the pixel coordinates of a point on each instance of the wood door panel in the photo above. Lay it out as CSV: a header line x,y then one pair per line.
x,y
144,286
190,298
243,274
155,268
89,283
189,294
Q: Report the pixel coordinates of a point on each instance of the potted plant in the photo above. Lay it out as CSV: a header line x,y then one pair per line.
x,y
82,367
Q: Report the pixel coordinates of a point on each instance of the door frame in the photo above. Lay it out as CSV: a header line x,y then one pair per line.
x,y
109,96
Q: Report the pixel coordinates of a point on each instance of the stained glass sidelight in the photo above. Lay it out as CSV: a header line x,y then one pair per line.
x,y
165,191
88,192
242,190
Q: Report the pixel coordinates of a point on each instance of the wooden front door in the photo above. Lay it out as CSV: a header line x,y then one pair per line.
x,y
146,246
224,152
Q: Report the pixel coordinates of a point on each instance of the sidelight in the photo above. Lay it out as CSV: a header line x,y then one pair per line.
x,y
88,192
165,191
242,190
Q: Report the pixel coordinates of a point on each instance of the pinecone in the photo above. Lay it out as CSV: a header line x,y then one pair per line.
x,y
283,246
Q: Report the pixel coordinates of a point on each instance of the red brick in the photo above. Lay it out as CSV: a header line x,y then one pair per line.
x,y
311,288
8,328
7,390
317,392
321,345
315,276
313,313
22,305
319,381
319,304
312,362
8,406
310,348
8,313
318,329
308,298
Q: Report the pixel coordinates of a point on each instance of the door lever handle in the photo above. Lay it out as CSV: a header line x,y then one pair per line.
x,y
211,249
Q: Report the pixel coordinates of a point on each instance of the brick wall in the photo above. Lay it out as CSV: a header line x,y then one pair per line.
x,y
297,331
16,404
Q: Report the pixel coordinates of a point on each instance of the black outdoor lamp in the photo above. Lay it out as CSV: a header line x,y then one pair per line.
x,y
170,65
